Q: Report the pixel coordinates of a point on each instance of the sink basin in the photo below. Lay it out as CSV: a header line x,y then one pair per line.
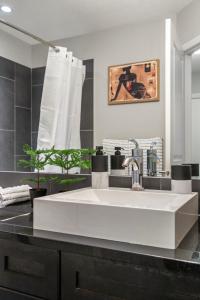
x,y
153,218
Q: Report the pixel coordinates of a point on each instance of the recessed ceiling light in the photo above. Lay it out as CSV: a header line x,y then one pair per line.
x,y
197,52
5,8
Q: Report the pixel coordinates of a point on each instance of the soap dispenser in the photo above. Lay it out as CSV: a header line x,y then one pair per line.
x,y
152,160
117,160
100,178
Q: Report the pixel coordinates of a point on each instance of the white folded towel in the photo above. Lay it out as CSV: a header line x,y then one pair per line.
x,y
14,194
15,189
16,200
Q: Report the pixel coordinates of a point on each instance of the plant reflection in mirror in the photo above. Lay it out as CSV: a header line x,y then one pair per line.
x,y
37,161
66,159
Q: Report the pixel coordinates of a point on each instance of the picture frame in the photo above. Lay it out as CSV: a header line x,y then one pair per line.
x,y
137,82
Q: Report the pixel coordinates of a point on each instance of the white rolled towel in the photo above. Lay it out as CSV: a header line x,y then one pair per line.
x,y
15,189
14,194
12,201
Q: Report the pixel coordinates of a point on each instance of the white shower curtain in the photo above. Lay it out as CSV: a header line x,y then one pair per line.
x,y
60,110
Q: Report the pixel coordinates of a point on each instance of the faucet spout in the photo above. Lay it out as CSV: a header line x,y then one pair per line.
x,y
131,161
134,142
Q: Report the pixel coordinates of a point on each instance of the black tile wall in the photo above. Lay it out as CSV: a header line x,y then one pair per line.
x,y
120,182
36,102
87,105
15,112
23,129
23,83
6,150
22,111
7,113
6,104
34,136
86,138
165,184
152,183
89,64
37,87
38,75
7,68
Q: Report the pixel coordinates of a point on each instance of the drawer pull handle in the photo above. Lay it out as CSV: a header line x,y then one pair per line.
x,y
77,281
5,263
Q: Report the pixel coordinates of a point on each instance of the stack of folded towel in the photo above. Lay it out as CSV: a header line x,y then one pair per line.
x,y
14,194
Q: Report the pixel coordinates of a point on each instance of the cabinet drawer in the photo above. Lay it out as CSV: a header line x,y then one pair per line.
x,y
29,269
10,295
92,278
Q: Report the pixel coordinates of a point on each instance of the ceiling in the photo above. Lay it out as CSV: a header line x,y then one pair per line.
x,y
59,19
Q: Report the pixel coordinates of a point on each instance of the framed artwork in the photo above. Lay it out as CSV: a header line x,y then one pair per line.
x,y
134,83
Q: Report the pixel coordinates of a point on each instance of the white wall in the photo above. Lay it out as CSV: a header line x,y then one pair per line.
x,y
188,22
118,46
15,49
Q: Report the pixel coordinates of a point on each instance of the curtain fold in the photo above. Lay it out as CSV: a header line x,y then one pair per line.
x,y
60,111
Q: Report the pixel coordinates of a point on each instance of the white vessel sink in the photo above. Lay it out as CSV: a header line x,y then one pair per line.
x,y
153,218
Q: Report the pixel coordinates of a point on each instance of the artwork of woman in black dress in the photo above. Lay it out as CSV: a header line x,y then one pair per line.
x,y
134,83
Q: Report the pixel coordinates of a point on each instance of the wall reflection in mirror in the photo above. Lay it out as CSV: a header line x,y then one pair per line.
x,y
37,110
195,106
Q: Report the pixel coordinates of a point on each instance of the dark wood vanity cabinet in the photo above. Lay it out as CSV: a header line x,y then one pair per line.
x,y
31,271
6,294
91,278
145,278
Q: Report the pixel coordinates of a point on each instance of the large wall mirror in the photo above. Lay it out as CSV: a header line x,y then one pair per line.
x,y
185,83
136,51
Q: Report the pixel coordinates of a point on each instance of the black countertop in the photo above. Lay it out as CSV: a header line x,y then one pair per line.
x,y
16,223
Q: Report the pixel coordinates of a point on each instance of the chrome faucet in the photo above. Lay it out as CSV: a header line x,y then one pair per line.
x,y
136,182
136,161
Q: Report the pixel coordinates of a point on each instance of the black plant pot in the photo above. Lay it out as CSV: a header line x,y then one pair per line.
x,y
36,193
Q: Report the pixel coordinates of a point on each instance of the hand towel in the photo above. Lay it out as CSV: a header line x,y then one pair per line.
x,y
14,189
16,200
14,194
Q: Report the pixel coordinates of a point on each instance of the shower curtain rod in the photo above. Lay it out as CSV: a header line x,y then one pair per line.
x,y
30,34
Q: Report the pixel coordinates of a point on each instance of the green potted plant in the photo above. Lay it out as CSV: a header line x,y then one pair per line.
x,y
67,159
37,161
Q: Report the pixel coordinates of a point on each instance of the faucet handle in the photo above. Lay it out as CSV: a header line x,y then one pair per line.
x,y
164,173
